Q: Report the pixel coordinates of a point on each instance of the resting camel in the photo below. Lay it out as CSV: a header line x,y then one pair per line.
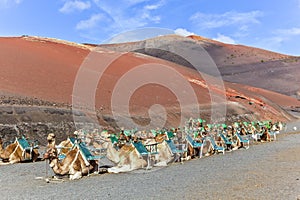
x,y
126,159
73,164
89,139
277,127
280,126
265,136
164,155
65,146
14,153
207,148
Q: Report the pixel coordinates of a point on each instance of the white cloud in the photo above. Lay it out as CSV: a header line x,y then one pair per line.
x,y
273,43
118,16
280,36
224,39
289,32
89,23
155,6
281,39
183,32
139,34
152,7
128,15
147,16
8,3
71,6
206,21
133,2
244,28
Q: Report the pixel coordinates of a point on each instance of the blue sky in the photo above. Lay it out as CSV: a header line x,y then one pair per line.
x,y
273,25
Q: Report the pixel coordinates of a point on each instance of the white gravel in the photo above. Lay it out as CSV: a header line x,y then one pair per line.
x,y
265,171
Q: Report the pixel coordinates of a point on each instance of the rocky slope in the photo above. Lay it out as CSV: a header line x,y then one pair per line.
x,y
41,77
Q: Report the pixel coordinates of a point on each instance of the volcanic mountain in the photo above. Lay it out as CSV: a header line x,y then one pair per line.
x,y
142,83
236,63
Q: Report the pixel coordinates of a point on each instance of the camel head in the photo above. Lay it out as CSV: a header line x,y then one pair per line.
x,y
51,151
51,137
160,137
51,140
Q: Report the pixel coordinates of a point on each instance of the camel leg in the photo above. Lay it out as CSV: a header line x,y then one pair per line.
x,y
14,159
76,175
4,163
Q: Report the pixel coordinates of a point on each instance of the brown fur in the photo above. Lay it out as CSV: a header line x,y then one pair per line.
x,y
5,153
13,153
65,146
127,158
193,152
73,164
160,138
164,155
265,136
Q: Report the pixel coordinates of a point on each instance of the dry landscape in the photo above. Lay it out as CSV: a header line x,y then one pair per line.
x,y
37,84
41,72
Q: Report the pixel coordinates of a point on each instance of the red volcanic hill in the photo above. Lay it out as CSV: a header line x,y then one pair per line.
x,y
254,66
236,63
125,85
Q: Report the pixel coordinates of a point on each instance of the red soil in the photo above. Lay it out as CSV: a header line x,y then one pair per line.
x,y
39,68
46,69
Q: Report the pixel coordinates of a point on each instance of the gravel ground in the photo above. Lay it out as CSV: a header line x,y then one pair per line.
x,y
264,171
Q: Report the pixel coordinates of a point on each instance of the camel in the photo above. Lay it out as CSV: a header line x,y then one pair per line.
x,y
89,139
192,152
253,131
281,126
164,155
74,164
277,127
126,159
16,152
65,146
265,137
207,149
7,154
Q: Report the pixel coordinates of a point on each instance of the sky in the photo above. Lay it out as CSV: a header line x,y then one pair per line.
x,y
272,25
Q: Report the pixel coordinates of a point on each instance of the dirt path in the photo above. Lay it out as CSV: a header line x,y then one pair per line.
x,y
265,171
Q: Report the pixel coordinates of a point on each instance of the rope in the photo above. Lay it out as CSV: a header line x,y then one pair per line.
x,y
46,177
46,168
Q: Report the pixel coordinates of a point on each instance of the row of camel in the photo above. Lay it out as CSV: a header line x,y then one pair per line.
x,y
76,164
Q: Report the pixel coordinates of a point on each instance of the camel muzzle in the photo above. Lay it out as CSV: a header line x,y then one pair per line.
x,y
46,156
